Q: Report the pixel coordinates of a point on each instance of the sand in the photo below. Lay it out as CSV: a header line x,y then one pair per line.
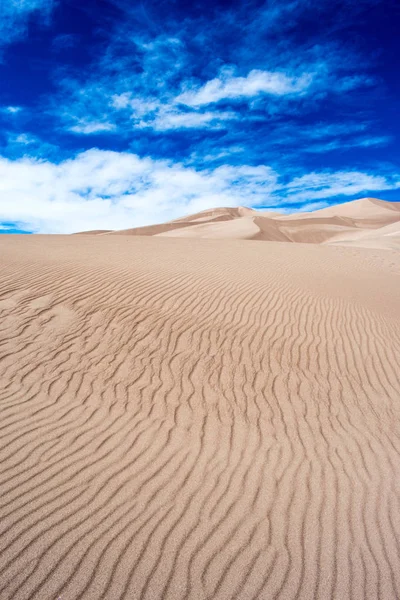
x,y
341,224
198,419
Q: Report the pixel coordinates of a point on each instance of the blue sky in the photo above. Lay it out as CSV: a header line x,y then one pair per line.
x,y
119,113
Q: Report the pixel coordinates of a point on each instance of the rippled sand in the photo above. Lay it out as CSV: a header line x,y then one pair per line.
x,y
198,419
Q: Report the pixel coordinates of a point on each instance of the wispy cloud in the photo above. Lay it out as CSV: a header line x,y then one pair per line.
x,y
23,138
164,74
152,113
11,110
341,183
88,127
255,83
168,118
342,144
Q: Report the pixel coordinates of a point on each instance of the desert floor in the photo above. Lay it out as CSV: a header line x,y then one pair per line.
x,y
201,419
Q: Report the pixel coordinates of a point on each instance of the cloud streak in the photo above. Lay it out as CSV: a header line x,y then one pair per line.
x,y
255,83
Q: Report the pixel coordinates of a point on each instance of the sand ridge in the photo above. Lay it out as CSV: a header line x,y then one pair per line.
x,y
339,224
197,419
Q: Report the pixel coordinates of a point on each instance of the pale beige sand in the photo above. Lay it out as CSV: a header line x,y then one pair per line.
x,y
358,209
337,224
94,232
198,419
387,236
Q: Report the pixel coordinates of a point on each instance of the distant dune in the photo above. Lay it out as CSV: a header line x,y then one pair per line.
x,y
94,232
341,223
203,419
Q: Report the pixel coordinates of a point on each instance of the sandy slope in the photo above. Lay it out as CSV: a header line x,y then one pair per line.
x,y
365,208
337,224
387,236
198,419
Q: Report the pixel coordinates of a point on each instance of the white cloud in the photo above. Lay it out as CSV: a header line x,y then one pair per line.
x,y
23,138
121,101
151,113
102,189
89,127
257,82
163,113
311,206
226,153
325,185
169,119
12,110
343,144
114,190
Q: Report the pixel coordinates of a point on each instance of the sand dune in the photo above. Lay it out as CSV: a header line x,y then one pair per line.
x,y
199,419
365,208
94,232
208,217
337,224
387,236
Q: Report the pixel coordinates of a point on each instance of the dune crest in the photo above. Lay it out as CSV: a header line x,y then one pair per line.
x,y
339,224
